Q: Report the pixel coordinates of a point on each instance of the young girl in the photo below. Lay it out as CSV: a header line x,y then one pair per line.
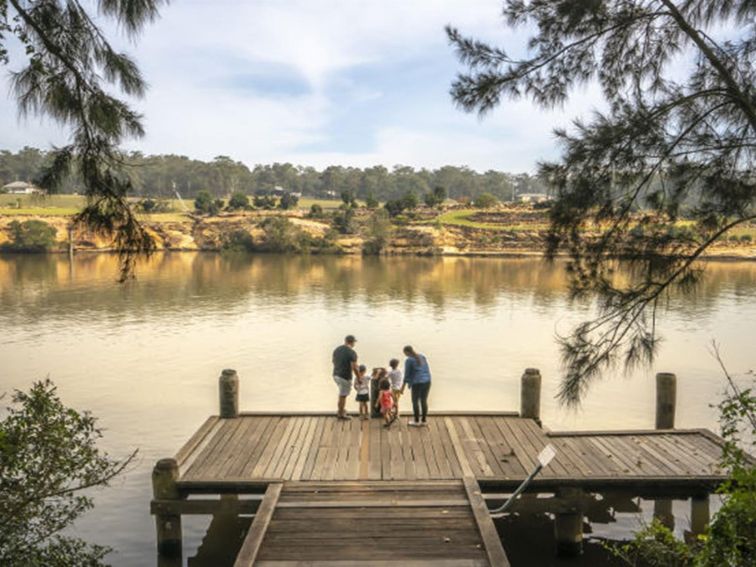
x,y
386,401
362,387
397,381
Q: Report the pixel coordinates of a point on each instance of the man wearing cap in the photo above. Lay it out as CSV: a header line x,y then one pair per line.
x,y
344,365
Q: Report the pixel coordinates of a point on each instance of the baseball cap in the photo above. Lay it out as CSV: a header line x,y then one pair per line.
x,y
350,339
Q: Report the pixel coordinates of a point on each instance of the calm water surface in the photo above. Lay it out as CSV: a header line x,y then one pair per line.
x,y
145,356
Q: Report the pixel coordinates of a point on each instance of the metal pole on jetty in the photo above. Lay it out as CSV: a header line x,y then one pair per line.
x,y
228,388
530,395
168,526
666,399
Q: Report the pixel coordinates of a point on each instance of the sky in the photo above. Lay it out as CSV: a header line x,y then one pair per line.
x,y
320,82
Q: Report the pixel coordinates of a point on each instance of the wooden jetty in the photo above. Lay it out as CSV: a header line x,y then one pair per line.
x,y
330,492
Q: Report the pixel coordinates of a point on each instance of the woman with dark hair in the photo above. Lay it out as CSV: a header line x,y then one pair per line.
x,y
417,376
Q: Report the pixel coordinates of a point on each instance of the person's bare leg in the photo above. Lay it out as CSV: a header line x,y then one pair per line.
x,y
342,406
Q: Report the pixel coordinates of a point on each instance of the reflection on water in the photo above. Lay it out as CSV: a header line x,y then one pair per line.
x,y
145,356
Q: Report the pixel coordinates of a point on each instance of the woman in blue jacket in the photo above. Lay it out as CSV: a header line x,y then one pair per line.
x,y
417,376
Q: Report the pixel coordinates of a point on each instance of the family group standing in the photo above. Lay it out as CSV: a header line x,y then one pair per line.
x,y
378,394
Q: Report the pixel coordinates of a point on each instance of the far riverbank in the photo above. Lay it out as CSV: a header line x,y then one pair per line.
x,y
504,233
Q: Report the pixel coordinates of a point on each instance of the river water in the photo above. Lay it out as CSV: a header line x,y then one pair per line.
x,y
145,356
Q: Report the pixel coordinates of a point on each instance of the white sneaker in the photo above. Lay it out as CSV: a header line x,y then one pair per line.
x,y
414,423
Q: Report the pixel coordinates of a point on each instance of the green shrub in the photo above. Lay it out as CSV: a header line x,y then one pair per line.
x,y
746,238
316,211
394,207
343,221
238,241
288,201
435,197
30,236
267,202
371,202
238,201
151,206
280,235
205,204
409,201
378,231
485,201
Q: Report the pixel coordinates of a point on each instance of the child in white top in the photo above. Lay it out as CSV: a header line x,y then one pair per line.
x,y
362,387
397,381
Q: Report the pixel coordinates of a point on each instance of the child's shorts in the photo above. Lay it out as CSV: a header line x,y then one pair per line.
x,y
363,397
397,394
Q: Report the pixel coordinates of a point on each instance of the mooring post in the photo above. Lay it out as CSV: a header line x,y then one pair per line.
x,y
568,524
666,398
530,394
228,386
699,514
168,526
663,512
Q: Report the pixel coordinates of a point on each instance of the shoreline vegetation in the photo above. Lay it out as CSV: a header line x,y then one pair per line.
x,y
501,231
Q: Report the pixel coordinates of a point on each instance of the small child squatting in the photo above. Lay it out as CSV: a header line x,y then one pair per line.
x,y
386,402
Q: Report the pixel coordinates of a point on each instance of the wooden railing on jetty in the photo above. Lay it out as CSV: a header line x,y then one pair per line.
x,y
312,479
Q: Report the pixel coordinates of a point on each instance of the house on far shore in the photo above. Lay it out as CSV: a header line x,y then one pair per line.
x,y
22,188
534,197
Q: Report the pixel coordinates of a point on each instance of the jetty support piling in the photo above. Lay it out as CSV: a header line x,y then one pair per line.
x,y
168,525
666,399
530,395
568,524
699,514
228,386
663,512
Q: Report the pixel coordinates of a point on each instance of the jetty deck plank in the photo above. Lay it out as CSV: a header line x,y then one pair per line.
x,y
358,522
259,449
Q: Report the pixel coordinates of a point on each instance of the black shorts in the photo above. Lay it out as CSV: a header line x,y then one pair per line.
x,y
363,397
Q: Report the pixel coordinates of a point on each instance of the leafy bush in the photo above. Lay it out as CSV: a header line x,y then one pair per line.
x,y
288,201
280,235
343,221
238,241
316,211
30,236
378,231
348,198
204,203
409,201
49,462
267,202
394,207
151,206
746,238
435,197
371,202
238,201
485,201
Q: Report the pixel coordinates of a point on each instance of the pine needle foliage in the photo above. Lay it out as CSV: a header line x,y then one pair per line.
x,y
67,71
678,141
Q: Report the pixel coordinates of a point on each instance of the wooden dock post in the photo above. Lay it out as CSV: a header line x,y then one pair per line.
x,y
168,526
568,524
699,514
666,397
663,512
530,394
228,386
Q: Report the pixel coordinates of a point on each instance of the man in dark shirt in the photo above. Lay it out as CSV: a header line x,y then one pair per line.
x,y
344,365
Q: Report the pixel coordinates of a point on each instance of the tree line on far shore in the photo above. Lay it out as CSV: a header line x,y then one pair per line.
x,y
160,175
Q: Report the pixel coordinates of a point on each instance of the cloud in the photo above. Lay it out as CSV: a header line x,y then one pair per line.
x,y
316,82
